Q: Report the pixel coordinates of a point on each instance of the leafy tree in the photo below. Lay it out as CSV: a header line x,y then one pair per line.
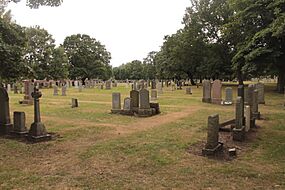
x,y
88,58
33,3
149,66
12,42
58,67
256,33
38,53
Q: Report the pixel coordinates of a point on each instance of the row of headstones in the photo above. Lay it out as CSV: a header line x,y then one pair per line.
x,y
244,121
138,102
37,131
212,93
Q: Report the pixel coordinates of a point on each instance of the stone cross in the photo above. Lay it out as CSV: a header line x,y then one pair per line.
x,y
5,121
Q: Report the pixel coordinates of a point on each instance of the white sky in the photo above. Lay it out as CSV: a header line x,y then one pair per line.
x,y
129,29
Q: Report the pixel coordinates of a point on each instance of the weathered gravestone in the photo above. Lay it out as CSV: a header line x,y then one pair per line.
x,y
188,90
37,131
260,89
255,112
55,90
250,91
116,102
213,145
206,91
63,90
153,95
217,92
239,130
127,104
144,109
153,84
250,120
108,85
229,96
74,103
5,121
19,123
9,88
28,88
134,94
159,88
80,87
246,96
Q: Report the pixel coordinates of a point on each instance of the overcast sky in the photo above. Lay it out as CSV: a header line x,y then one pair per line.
x,y
128,28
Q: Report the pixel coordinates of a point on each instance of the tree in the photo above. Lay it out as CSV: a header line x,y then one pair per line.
x,y
88,58
149,66
32,3
12,42
38,53
256,33
58,67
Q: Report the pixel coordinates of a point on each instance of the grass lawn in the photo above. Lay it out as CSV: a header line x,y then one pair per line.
x,y
98,150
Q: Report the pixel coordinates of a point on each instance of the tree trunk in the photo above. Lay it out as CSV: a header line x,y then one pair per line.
x,y
191,79
239,75
281,81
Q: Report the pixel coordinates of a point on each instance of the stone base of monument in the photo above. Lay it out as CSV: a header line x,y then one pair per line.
x,y
127,112
156,107
116,111
256,115
206,100
146,112
213,151
19,133
252,123
5,129
239,134
27,102
217,101
38,133
36,139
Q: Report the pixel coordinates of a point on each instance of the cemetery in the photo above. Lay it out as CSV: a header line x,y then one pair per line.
x,y
203,109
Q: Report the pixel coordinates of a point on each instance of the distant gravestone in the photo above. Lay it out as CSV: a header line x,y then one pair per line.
x,y
127,104
20,123
116,102
63,90
260,89
212,145
76,84
217,92
229,96
159,88
251,89
134,94
144,99
74,103
239,130
108,85
9,88
255,112
80,87
5,121
248,119
28,88
153,84
37,131
55,90
153,95
188,90
246,96
206,91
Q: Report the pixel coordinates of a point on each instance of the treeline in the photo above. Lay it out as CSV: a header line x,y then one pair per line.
x,y
31,53
223,39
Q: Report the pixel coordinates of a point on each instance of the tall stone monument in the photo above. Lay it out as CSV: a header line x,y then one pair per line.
x,y
217,92
206,91
239,130
5,120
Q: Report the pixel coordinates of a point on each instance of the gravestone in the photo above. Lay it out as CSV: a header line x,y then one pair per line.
x,y
144,99
127,104
134,94
260,89
250,121
213,145
76,84
229,96
15,89
5,121
255,112
188,90
80,86
8,88
37,131
55,90
74,103
217,92
159,88
206,91
19,123
63,90
239,130
153,95
246,96
251,89
28,88
116,102
108,85
153,84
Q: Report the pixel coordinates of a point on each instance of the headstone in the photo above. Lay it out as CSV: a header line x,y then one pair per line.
x,y
229,96
76,84
251,89
15,89
159,88
20,123
247,118
9,88
144,99
80,87
116,102
153,95
217,92
134,94
260,89
213,145
246,96
188,90
28,88
135,86
63,90
239,130
108,85
5,121
55,90
153,84
206,91
255,112
127,104
74,103
37,131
